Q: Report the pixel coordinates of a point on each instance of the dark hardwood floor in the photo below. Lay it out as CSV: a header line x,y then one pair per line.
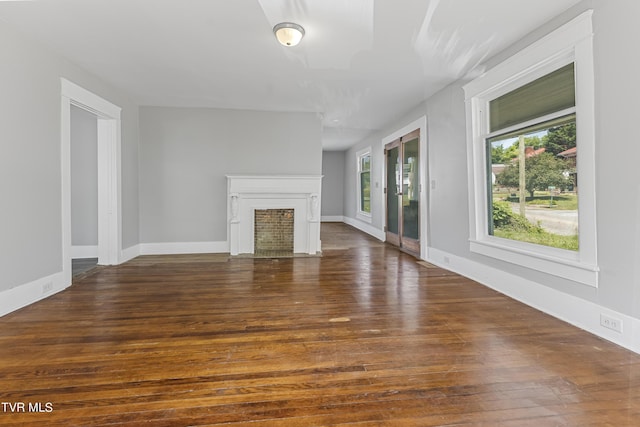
x,y
362,336
81,266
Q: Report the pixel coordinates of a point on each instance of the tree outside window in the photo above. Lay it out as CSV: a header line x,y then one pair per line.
x,y
531,146
533,181
364,183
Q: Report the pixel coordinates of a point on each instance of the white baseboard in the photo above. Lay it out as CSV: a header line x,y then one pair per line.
x,y
175,248
28,293
576,311
332,218
129,253
366,228
90,251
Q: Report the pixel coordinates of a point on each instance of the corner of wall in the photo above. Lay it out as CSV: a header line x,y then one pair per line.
x,y
366,228
332,218
129,253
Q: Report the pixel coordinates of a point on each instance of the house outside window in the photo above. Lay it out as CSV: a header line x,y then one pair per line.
x,y
364,184
530,136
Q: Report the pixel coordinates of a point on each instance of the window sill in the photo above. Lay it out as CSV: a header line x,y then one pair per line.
x,y
552,261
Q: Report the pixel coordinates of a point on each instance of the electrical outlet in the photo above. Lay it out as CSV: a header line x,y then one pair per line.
x,y
47,287
611,323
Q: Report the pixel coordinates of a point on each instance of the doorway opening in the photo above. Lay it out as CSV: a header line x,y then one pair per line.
x,y
108,174
84,190
402,191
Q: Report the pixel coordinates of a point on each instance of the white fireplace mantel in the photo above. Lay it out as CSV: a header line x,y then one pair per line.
x,y
246,193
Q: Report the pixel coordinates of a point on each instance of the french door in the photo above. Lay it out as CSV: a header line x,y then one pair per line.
x,y
402,191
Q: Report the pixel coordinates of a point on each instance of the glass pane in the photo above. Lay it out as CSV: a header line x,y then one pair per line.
x,y
540,205
365,163
548,94
410,189
365,192
393,178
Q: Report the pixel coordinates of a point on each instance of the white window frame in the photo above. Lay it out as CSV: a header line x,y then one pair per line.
x,y
573,42
362,215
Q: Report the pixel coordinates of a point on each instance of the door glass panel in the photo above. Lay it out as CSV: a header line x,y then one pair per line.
x,y
393,174
410,189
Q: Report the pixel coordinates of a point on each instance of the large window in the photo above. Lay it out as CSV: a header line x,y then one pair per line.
x,y
531,145
531,178
364,184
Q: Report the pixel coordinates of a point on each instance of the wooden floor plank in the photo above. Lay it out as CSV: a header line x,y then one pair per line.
x,y
363,336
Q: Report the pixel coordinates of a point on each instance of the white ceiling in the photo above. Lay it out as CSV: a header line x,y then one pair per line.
x,y
361,65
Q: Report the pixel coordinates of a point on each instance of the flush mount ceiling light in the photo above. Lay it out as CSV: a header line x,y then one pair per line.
x,y
288,33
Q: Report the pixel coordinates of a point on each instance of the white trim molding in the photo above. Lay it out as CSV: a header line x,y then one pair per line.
x,y
571,43
360,214
87,251
28,293
332,218
366,228
177,248
581,313
421,124
129,253
109,171
246,193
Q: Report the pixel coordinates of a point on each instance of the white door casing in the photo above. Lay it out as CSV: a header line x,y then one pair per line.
x,y
109,183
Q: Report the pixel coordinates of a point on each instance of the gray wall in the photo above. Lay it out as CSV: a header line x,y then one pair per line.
x,y
333,183
30,171
351,178
617,151
84,178
185,154
617,66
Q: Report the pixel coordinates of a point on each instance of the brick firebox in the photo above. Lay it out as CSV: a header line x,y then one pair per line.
x,y
273,232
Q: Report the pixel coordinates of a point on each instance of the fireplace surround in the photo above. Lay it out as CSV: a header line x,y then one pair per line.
x,y
248,193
